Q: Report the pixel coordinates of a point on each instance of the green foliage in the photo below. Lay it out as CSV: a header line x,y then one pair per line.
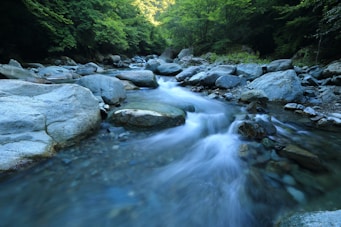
x,y
52,17
143,26
265,25
305,57
152,8
309,23
90,26
331,22
236,58
210,24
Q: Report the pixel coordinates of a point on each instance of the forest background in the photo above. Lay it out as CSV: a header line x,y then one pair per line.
x,y
35,29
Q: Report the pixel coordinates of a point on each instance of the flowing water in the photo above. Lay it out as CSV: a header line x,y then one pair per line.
x,y
190,175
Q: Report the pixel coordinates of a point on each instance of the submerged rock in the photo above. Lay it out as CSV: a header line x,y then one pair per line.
x,y
251,130
147,116
302,156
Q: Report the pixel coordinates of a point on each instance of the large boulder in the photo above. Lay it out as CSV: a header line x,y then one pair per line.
x,y
279,86
312,219
141,78
249,71
168,69
110,89
37,118
147,116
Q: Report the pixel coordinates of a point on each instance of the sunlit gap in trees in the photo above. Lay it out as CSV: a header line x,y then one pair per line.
x,y
151,9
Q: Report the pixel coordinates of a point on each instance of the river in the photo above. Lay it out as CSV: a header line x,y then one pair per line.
x,y
190,175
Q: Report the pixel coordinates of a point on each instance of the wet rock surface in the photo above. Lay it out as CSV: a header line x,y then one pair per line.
x,y
147,116
303,157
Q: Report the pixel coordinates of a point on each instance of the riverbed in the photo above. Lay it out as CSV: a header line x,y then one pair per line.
x,y
190,175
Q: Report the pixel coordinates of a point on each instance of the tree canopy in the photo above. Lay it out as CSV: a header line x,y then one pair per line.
x,y
34,28
84,27
268,26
